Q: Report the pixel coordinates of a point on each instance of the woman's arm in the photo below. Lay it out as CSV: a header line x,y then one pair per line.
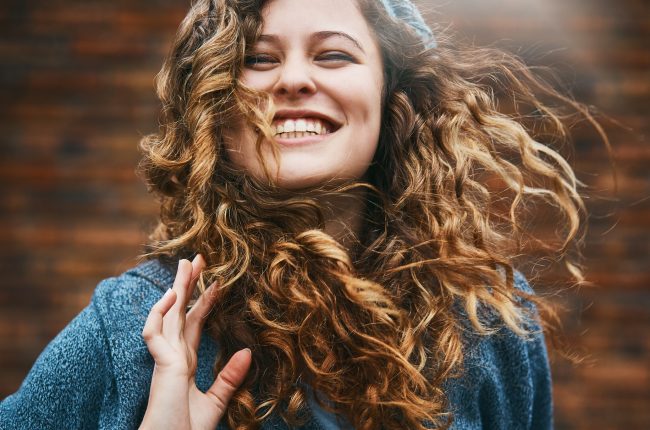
x,y
506,380
66,386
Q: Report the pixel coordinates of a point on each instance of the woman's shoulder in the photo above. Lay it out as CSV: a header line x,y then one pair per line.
x,y
122,303
506,381
145,281
75,381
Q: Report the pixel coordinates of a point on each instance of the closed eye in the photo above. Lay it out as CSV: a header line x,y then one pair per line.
x,y
264,61
259,60
335,56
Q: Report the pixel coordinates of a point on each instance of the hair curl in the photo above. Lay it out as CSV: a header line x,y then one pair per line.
x,y
374,330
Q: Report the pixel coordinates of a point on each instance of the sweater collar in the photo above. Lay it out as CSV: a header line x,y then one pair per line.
x,y
159,273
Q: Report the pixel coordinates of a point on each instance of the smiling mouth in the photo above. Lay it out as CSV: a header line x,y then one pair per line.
x,y
291,128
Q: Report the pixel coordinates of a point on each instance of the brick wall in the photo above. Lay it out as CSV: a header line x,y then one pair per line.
x,y
601,51
76,93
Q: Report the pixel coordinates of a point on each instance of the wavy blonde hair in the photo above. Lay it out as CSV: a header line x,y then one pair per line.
x,y
375,330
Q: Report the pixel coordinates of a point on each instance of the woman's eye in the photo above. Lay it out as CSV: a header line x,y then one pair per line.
x,y
335,56
263,61
259,60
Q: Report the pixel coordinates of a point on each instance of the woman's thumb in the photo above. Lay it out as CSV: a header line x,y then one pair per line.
x,y
230,378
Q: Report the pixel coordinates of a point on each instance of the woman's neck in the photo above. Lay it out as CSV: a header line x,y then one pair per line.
x,y
344,216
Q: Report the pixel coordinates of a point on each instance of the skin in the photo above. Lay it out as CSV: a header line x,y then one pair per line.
x,y
340,76
332,75
172,337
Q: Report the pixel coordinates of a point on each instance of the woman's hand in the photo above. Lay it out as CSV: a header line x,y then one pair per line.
x,y
172,337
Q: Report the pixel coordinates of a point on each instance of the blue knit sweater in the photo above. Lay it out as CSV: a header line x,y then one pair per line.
x,y
96,373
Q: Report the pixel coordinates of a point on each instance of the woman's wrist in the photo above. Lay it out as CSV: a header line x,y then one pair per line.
x,y
166,386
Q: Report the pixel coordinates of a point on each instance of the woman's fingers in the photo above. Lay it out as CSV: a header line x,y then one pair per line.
x,y
168,317
186,278
182,280
196,317
175,319
153,327
229,379
204,304
198,264
173,339
187,275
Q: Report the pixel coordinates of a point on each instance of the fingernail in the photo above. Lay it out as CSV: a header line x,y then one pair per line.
x,y
168,292
249,351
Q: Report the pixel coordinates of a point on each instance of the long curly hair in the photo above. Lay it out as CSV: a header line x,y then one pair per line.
x,y
373,330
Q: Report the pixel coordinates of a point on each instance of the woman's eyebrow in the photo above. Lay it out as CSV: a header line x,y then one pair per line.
x,y
319,35
322,35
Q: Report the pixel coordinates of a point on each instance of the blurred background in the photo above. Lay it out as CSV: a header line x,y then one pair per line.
x,y
76,95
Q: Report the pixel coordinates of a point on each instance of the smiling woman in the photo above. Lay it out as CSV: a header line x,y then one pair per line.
x,y
353,198
330,80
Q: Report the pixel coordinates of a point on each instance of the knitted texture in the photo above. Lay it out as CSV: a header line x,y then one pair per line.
x,y
406,11
97,372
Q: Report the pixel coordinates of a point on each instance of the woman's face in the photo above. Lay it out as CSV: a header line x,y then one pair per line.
x,y
320,62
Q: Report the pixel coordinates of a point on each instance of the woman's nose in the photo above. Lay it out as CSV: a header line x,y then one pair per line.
x,y
295,79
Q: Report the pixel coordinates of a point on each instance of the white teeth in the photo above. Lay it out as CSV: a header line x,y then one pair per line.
x,y
289,126
309,126
301,125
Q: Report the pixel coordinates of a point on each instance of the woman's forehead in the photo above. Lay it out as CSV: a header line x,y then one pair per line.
x,y
300,18
339,37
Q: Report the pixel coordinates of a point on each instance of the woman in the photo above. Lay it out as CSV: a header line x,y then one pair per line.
x,y
354,198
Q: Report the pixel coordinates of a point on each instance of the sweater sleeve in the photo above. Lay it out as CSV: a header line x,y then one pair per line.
x,y
66,386
506,382
541,400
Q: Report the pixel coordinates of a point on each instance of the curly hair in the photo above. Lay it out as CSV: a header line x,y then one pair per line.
x,y
374,329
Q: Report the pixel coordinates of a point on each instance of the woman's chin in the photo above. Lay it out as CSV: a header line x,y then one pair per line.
x,y
302,182
310,181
